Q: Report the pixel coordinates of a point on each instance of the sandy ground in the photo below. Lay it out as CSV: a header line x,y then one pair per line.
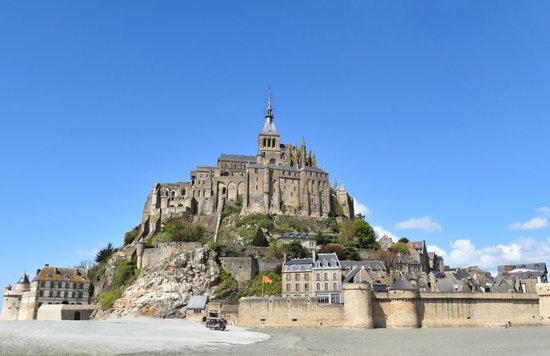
x,y
177,337
116,337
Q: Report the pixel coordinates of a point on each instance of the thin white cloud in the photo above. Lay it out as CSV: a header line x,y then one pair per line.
x,y
424,223
464,253
539,222
360,208
380,231
87,253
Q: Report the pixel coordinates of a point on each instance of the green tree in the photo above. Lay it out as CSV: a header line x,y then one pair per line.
x,y
104,254
322,239
131,235
294,249
400,247
346,237
404,240
364,233
259,239
338,249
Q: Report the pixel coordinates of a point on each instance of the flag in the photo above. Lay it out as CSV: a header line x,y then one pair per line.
x,y
266,279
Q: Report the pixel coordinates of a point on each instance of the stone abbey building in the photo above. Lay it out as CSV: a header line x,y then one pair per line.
x,y
280,178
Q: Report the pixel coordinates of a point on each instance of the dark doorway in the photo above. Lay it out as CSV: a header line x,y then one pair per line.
x,y
76,315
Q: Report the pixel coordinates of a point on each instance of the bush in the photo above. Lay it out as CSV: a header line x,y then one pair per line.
x,y
124,274
181,230
257,220
338,249
131,235
108,298
400,247
259,239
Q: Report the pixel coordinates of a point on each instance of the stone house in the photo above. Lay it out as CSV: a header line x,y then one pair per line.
x,y
51,286
321,278
304,238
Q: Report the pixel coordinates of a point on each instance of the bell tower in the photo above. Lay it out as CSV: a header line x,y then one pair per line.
x,y
269,140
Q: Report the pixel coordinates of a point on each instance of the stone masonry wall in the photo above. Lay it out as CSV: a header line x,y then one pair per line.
x,y
154,257
289,312
409,309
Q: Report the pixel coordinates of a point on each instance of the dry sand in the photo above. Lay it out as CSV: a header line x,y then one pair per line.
x,y
177,337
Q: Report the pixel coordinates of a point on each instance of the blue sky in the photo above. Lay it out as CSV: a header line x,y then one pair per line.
x,y
434,114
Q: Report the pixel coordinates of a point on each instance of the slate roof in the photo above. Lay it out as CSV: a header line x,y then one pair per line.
x,y
372,264
197,302
269,127
24,279
401,283
236,158
62,274
288,168
299,261
541,266
296,236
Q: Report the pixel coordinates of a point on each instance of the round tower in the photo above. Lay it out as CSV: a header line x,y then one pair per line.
x,y
23,285
358,305
140,248
543,290
404,298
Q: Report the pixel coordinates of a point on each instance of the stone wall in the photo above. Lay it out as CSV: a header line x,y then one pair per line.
x,y
400,309
479,309
543,290
268,265
241,268
155,257
289,312
64,312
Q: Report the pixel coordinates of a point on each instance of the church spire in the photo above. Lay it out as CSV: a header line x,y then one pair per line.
x,y
269,127
268,112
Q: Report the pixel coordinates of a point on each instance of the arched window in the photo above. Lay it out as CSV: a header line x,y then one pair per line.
x,y
264,142
326,285
318,286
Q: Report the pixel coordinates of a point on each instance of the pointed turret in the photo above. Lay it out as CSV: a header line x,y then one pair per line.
x,y
269,127
269,145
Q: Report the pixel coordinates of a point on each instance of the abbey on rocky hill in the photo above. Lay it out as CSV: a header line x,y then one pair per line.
x,y
280,178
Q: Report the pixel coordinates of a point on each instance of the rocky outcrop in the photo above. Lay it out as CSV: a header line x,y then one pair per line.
x,y
162,290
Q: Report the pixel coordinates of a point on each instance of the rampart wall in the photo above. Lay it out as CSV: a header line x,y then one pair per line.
x,y
395,309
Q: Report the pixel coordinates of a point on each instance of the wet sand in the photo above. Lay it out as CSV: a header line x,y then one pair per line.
x,y
444,341
177,337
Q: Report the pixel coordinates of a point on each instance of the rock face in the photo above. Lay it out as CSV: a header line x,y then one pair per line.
x,y
163,289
